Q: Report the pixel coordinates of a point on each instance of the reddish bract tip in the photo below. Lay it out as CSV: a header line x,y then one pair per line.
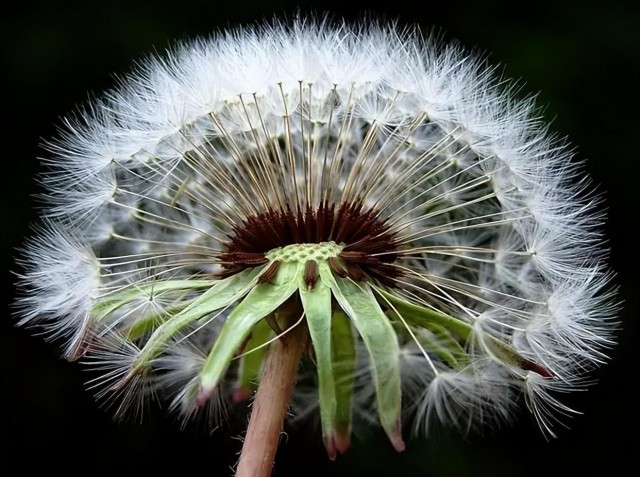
x,y
538,368
203,397
396,439
343,441
241,395
330,446
398,444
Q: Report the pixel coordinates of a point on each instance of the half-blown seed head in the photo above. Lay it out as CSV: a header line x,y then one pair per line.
x,y
433,237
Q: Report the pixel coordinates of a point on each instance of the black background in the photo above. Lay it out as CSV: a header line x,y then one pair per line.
x,y
581,56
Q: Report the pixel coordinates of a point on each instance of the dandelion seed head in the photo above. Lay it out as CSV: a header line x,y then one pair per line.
x,y
393,193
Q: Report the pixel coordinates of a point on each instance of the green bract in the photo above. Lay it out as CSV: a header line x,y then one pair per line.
x,y
298,285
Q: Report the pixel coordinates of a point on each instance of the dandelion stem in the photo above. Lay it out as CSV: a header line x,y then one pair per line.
x,y
272,399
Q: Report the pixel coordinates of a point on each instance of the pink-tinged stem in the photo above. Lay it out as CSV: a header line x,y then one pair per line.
x,y
271,403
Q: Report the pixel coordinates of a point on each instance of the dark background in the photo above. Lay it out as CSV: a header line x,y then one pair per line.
x,y
582,56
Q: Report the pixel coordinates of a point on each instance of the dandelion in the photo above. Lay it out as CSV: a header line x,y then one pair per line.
x,y
361,200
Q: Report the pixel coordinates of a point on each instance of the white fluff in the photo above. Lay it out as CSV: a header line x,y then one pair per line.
x,y
495,225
